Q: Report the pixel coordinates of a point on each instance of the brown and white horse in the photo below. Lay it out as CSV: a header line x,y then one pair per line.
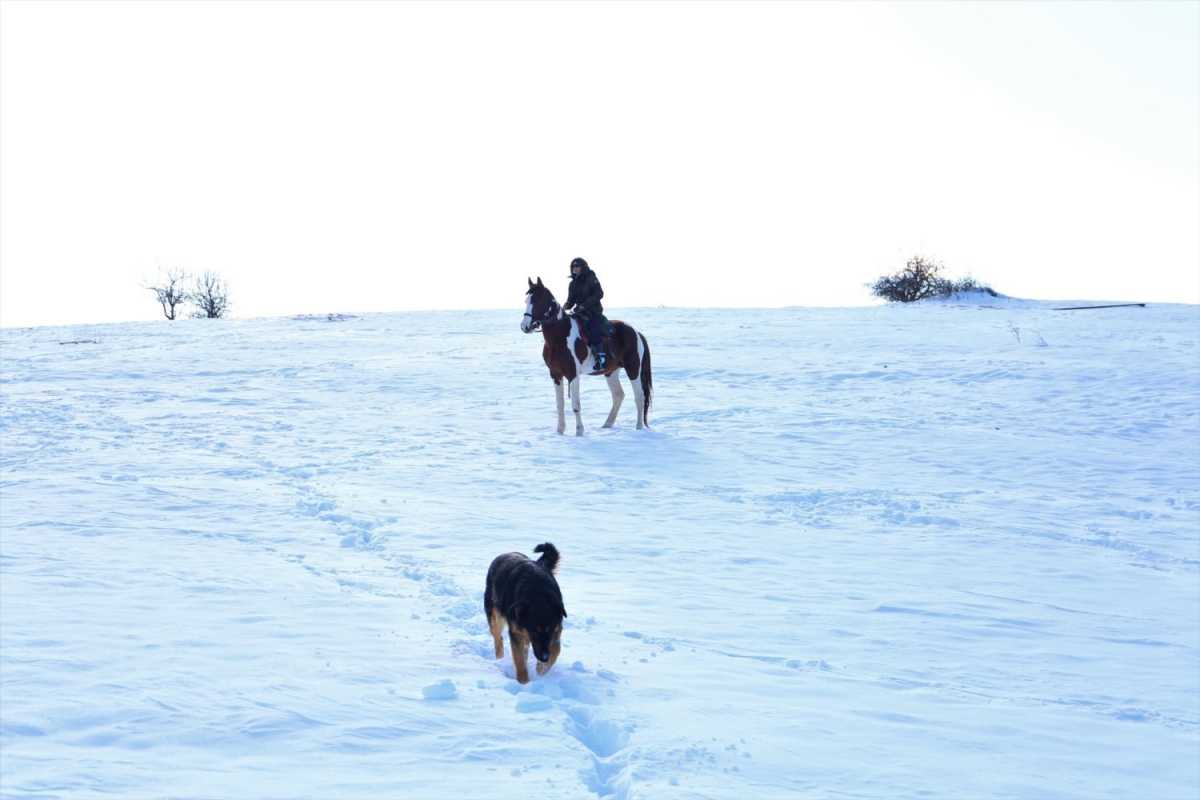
x,y
568,357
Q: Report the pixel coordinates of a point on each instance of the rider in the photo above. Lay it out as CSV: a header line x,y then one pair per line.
x,y
584,296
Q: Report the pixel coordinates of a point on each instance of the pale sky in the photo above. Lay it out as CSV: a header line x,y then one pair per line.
x,y
376,156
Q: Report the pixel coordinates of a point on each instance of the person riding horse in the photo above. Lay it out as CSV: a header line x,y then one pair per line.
x,y
567,360
584,297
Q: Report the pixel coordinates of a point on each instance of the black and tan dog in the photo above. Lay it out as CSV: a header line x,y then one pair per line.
x,y
523,594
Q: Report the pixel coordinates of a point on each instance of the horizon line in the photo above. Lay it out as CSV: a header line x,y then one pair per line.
x,y
296,315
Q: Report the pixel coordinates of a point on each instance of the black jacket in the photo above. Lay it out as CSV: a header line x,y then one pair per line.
x,y
585,292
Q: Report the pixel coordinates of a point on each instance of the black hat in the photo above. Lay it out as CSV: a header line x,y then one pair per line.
x,y
579,262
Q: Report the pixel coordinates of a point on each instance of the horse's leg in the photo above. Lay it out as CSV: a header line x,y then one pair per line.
x,y
639,400
558,397
618,394
575,406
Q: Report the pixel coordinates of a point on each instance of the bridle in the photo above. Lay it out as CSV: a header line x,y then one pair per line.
x,y
551,313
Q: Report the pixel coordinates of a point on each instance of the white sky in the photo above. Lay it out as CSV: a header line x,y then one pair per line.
x,y
377,156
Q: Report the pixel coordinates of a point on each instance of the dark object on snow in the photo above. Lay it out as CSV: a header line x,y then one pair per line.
x,y
82,341
1116,305
524,595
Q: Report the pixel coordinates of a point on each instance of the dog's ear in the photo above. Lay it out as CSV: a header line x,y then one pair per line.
x,y
530,281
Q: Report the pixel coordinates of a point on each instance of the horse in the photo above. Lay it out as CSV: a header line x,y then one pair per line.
x,y
567,356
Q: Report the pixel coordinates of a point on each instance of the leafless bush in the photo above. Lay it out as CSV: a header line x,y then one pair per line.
x,y
921,279
170,290
969,284
211,296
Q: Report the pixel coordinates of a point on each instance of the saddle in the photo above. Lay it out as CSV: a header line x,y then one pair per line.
x,y
608,332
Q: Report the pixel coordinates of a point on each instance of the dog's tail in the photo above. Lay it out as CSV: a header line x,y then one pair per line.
x,y
549,558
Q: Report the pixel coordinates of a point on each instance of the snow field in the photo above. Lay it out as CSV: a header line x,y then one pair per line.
x,y
943,551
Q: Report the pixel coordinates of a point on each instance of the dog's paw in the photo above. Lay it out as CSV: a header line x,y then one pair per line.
x,y
542,669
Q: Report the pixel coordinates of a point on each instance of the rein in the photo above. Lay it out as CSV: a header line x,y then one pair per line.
x,y
551,313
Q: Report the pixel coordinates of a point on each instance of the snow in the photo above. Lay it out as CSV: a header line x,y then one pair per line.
x,y
942,551
442,690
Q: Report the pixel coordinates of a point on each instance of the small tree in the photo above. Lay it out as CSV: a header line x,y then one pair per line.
x,y
919,279
211,296
170,291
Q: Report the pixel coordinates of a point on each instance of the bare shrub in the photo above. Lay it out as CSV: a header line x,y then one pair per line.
x,y
921,279
211,296
969,284
170,290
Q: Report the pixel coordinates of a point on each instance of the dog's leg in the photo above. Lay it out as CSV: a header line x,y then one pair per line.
x,y
520,654
496,623
555,649
558,396
575,406
618,394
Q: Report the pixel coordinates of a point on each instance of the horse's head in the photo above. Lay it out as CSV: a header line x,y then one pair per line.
x,y
540,306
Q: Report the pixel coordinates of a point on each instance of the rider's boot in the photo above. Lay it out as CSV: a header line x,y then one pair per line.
x,y
601,360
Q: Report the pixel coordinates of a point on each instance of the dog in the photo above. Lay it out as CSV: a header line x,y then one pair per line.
x,y
523,594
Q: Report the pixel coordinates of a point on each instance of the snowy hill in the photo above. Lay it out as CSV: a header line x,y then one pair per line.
x,y
940,551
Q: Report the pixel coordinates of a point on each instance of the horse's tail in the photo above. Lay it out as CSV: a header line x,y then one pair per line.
x,y
646,378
